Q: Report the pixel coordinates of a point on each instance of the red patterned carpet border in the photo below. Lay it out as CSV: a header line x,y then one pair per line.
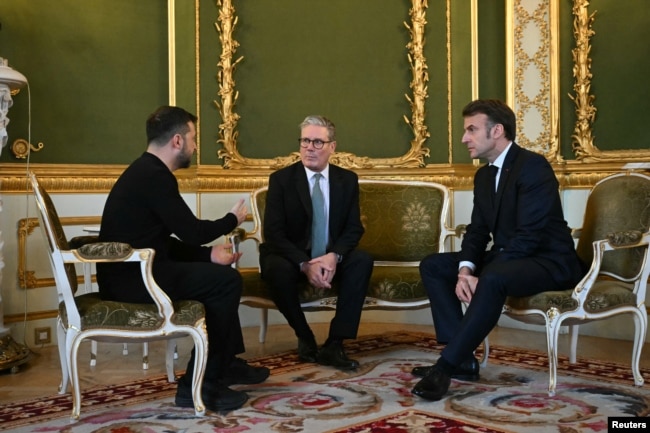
x,y
142,390
57,406
403,422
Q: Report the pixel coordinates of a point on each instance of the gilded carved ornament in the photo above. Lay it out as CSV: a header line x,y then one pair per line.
x,y
27,279
533,83
583,139
226,24
253,173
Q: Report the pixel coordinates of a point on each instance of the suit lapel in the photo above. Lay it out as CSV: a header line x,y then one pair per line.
x,y
302,187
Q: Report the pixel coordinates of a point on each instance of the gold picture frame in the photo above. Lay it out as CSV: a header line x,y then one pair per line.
x,y
228,94
582,138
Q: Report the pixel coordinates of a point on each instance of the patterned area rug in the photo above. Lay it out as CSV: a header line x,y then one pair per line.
x,y
510,397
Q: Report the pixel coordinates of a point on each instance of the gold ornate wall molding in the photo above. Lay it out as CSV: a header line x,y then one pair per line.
x,y
583,139
27,279
414,157
90,179
532,38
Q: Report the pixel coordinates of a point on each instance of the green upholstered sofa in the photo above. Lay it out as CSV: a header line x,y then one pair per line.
x,y
404,221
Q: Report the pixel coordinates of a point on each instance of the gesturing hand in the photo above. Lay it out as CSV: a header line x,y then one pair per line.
x,y
240,210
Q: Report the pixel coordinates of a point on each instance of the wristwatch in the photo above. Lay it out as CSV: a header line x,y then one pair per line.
x,y
339,258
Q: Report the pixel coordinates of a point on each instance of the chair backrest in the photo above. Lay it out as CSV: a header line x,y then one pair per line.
x,y
65,274
403,220
617,203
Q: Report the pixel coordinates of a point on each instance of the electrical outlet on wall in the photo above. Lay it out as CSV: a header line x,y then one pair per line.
x,y
42,335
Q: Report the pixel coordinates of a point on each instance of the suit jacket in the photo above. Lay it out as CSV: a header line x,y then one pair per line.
x,y
525,220
288,213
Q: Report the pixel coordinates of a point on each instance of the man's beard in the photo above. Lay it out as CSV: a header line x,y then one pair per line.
x,y
183,160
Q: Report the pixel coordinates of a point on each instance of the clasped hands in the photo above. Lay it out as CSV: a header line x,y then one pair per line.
x,y
320,270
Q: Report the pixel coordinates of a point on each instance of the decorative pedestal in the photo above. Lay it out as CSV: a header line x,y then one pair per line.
x,y
12,354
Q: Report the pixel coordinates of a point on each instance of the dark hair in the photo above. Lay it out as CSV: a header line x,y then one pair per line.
x,y
497,112
167,121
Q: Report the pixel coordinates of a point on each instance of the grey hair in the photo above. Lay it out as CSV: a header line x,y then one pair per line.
x,y
317,120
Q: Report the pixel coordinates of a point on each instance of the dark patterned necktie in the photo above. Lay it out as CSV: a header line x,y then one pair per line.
x,y
319,223
493,177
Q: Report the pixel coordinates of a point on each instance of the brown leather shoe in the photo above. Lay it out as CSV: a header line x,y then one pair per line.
x,y
334,355
468,370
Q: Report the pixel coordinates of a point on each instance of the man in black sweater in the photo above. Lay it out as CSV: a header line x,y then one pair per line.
x,y
146,210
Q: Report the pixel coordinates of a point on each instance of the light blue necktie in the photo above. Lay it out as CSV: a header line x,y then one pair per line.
x,y
319,222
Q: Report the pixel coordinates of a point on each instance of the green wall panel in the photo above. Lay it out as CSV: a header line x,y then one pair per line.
x,y
95,68
345,60
567,107
435,51
620,73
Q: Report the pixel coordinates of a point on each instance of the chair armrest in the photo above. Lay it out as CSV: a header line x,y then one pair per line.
x,y
80,241
235,237
239,235
108,252
624,238
576,233
460,230
104,251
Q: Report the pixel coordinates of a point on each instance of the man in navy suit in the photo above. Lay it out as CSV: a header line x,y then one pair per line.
x,y
517,207
290,255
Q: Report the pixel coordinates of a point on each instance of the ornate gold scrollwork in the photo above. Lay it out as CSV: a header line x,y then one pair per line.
x,y
226,24
532,74
22,147
583,139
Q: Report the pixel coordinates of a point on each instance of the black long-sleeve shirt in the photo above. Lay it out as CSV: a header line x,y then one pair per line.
x,y
144,209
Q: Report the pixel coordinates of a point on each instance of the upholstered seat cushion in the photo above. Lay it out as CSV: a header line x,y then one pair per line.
x,y
603,296
97,313
388,283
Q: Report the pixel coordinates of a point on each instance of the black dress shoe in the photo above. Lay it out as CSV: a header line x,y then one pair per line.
x,y
240,372
307,350
433,386
334,355
216,396
468,370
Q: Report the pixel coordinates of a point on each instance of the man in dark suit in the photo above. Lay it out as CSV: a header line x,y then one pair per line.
x,y
311,227
532,250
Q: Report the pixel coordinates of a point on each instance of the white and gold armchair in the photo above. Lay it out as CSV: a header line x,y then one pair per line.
x,y
87,316
615,240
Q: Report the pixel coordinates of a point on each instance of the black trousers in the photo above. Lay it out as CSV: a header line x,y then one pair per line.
x,y
217,287
352,276
462,333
